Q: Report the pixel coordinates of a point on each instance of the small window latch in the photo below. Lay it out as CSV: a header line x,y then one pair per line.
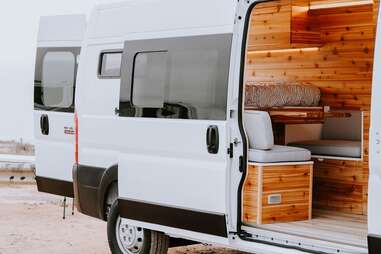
x,y
117,111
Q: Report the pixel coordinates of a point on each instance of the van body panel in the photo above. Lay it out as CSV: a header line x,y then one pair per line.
x,y
374,204
57,144
59,42
176,149
68,29
109,21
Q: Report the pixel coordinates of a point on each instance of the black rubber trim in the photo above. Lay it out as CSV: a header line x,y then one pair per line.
x,y
240,120
201,222
109,178
91,188
54,186
374,244
87,181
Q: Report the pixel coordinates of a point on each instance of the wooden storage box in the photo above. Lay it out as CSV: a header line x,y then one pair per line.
x,y
275,193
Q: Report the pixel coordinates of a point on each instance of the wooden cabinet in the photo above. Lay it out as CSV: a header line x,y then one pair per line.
x,y
276,193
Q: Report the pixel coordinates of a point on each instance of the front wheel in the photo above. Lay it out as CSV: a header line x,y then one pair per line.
x,y
126,239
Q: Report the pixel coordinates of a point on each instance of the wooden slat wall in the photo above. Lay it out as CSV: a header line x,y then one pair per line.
x,y
341,67
271,26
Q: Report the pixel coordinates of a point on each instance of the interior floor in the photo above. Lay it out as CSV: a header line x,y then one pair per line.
x,y
332,226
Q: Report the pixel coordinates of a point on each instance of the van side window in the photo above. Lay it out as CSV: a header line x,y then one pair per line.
x,y
150,78
109,64
178,78
55,75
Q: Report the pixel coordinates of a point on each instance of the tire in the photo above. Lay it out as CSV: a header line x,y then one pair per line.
x,y
139,240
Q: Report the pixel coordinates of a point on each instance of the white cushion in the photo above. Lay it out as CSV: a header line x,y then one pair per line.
x,y
279,154
340,148
259,130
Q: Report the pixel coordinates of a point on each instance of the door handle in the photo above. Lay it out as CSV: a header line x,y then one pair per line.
x,y
44,124
212,139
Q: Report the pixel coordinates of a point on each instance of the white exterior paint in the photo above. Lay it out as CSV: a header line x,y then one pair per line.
x,y
55,152
61,30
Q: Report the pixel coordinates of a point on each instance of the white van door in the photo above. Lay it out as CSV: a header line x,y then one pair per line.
x,y
374,199
58,48
173,126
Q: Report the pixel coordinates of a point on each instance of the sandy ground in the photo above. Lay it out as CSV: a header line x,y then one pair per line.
x,y
31,223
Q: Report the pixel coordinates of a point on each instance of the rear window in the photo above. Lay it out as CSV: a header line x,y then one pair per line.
x,y
55,79
58,74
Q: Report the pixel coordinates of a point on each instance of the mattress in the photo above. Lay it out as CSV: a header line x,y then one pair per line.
x,y
265,94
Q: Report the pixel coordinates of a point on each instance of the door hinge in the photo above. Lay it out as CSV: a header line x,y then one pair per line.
x,y
244,234
231,151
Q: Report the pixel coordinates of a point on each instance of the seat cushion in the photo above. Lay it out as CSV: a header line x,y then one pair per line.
x,y
259,130
340,148
279,154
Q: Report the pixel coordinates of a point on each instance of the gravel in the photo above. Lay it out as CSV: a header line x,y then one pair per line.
x,y
31,223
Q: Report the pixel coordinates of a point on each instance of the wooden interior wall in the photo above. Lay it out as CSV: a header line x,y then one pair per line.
x,y
340,65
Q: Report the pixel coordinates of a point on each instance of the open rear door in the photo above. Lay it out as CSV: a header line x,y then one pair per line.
x,y
374,220
58,48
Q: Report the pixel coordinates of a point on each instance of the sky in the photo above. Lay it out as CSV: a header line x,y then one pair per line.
x,y
19,26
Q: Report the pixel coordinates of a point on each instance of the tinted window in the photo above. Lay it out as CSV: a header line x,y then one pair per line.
x,y
55,76
110,64
150,79
58,74
187,79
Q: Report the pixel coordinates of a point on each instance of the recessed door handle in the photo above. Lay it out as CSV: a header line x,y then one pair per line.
x,y
44,124
212,139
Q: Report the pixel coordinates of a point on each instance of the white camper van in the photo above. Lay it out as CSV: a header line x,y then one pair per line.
x,y
249,124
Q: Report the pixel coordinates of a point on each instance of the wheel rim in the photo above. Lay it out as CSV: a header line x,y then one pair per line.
x,y
130,239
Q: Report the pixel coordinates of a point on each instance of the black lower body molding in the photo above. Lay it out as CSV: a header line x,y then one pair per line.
x,y
374,244
54,186
207,223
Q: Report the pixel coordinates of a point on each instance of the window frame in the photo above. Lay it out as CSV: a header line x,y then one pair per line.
x,y
40,56
100,63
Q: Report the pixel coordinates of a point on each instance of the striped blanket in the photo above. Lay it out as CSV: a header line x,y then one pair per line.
x,y
266,94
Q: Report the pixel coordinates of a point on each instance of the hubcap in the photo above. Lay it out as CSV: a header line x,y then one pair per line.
x,y
130,239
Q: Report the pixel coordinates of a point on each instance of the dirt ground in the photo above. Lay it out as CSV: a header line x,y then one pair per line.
x,y
31,223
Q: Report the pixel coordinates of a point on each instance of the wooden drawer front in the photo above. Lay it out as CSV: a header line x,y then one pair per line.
x,y
285,213
290,186
283,178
